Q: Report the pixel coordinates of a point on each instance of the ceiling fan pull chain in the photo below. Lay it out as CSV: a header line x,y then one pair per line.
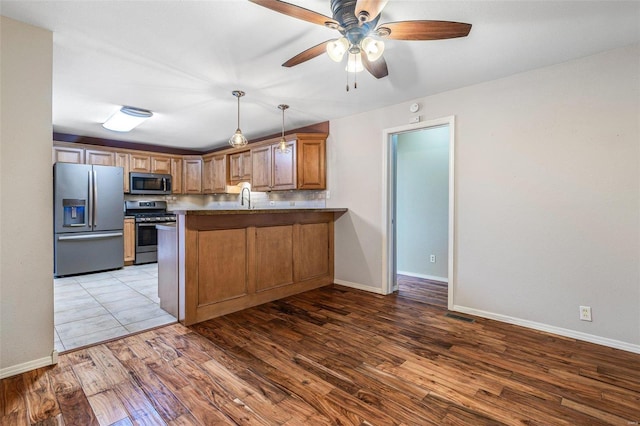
x,y
355,80
347,81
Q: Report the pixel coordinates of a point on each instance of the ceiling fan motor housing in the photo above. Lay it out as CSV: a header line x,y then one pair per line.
x,y
352,28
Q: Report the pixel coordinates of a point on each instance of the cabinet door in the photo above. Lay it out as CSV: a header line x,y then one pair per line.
x,y
129,240
122,160
219,166
247,158
283,168
311,164
176,175
140,163
261,168
192,176
207,175
99,158
161,165
63,154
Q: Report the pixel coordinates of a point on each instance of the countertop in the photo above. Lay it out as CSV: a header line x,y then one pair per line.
x,y
257,211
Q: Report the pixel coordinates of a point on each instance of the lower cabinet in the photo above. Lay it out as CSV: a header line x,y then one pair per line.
x,y
129,240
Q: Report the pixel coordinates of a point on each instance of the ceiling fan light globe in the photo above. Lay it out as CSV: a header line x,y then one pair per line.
x,y
354,63
372,48
238,140
337,48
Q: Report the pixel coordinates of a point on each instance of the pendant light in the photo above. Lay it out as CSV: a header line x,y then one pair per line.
x,y
238,140
282,145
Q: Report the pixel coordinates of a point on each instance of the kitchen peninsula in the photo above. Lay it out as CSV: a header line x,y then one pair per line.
x,y
229,260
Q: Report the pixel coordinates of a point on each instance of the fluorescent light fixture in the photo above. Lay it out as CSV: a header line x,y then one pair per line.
x,y
126,119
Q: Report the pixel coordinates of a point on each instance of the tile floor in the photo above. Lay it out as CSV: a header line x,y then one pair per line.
x,y
96,307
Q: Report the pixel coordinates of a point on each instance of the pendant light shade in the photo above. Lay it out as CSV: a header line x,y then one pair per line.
x,y
354,63
337,48
238,140
282,145
372,48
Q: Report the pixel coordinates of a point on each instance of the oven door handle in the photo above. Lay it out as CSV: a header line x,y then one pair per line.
x,y
146,224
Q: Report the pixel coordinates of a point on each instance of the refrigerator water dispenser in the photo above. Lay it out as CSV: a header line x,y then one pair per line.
x,y
74,212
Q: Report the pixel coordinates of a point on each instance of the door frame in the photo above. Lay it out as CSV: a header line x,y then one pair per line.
x,y
389,264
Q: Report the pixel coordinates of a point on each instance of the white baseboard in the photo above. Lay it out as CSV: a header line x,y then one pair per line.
x,y
29,365
359,286
612,343
426,277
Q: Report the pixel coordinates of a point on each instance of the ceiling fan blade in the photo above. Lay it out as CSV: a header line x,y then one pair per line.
x,y
297,12
424,30
377,68
310,53
367,10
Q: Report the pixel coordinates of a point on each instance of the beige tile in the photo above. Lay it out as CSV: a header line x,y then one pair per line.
x,y
150,323
86,326
72,315
96,337
116,295
76,304
138,314
121,305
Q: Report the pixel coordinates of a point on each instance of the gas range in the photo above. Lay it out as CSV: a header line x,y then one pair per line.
x,y
149,211
147,214
154,217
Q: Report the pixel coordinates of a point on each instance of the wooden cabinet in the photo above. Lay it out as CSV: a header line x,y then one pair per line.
x,y
214,174
272,169
140,163
240,167
129,240
161,165
63,154
122,160
311,162
192,175
100,158
176,175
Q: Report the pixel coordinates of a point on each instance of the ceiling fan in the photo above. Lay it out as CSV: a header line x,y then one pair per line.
x,y
357,22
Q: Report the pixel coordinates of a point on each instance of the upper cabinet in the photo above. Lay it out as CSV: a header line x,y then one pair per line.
x,y
311,161
192,175
176,175
272,170
303,166
140,163
100,158
65,154
239,167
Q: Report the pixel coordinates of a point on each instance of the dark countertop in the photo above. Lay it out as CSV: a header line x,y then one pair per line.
x,y
256,211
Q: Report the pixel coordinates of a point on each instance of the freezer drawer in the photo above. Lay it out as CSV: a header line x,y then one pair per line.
x,y
88,252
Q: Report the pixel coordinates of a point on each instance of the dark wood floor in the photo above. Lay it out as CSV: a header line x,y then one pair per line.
x,y
423,290
333,356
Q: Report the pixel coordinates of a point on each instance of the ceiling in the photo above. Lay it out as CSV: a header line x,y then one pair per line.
x,y
182,60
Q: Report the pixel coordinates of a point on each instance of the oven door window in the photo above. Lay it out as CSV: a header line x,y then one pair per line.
x,y
147,235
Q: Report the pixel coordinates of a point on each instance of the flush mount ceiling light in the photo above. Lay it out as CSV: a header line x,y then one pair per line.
x,y
238,140
282,145
126,119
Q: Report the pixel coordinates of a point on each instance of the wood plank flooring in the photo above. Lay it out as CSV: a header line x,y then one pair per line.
x,y
423,290
332,356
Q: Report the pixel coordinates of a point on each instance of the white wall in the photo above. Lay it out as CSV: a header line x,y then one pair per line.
x,y
547,196
422,219
26,203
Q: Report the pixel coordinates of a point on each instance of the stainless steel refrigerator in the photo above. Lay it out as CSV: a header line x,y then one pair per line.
x,y
88,218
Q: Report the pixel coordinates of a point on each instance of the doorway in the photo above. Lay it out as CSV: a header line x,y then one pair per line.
x,y
419,210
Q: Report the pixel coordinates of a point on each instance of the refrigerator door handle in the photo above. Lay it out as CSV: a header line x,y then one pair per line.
x,y
89,237
90,212
95,198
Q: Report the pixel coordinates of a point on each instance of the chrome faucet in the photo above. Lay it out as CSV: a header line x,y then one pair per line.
x,y
248,199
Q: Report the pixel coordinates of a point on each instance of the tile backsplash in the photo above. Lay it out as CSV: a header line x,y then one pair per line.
x,y
259,200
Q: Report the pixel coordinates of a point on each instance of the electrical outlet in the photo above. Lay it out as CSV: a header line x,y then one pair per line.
x,y
327,194
585,313
432,258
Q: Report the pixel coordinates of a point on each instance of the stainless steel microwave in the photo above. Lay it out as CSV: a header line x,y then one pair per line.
x,y
149,183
